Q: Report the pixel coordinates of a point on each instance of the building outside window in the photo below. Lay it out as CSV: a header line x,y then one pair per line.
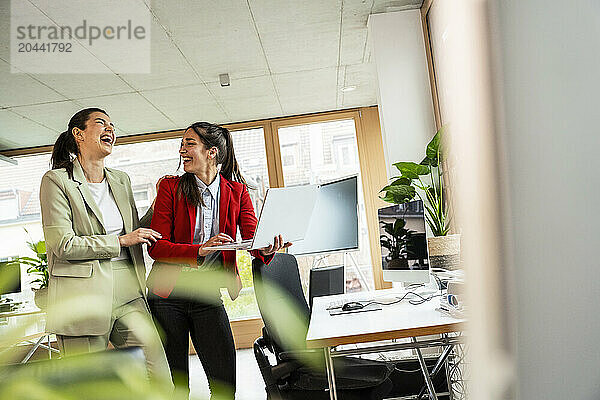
x,y
20,213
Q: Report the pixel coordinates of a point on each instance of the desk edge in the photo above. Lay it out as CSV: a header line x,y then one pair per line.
x,y
386,335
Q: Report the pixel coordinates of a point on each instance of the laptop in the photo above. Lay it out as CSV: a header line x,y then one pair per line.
x,y
286,211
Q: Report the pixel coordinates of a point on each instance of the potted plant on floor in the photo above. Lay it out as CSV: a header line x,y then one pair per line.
x,y
426,181
38,266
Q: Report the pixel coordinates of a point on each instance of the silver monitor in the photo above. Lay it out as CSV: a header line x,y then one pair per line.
x,y
404,254
334,224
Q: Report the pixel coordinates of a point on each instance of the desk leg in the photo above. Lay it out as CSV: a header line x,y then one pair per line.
x,y
432,395
33,349
330,373
438,365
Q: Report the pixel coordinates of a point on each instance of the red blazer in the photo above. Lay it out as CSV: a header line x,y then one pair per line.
x,y
175,219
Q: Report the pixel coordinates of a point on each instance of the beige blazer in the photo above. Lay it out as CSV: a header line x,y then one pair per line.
x,y
80,288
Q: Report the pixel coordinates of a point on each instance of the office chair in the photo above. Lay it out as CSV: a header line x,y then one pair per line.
x,y
290,377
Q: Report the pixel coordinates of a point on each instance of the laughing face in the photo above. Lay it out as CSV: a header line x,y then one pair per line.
x,y
195,157
98,138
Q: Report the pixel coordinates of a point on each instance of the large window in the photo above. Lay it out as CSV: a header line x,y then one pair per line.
x,y
20,218
323,152
250,153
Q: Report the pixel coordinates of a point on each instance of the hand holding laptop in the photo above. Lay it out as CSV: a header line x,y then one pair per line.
x,y
223,238
275,247
286,212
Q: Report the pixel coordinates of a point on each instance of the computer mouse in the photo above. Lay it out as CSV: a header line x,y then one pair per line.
x,y
351,306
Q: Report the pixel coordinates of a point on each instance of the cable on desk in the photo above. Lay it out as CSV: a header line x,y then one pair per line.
x,y
421,300
414,286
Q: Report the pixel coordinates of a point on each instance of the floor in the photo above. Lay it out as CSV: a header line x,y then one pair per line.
x,y
250,384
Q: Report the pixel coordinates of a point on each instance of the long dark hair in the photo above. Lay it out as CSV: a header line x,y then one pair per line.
x,y
65,148
211,135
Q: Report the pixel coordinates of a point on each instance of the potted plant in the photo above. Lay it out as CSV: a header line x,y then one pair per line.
x,y
426,181
396,241
38,266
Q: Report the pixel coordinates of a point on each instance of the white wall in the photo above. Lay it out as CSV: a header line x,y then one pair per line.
x,y
548,93
404,94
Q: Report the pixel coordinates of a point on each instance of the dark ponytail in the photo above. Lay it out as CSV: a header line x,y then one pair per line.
x,y
231,168
65,148
211,135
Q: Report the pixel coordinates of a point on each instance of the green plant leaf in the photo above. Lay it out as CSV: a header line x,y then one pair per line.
x,y
433,148
388,198
431,192
403,180
40,247
386,243
431,189
399,194
427,161
384,224
31,246
389,228
30,259
399,224
411,170
33,263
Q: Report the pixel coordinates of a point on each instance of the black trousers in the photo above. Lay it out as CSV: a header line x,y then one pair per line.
x,y
208,326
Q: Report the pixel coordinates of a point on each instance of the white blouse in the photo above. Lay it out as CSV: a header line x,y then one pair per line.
x,y
113,221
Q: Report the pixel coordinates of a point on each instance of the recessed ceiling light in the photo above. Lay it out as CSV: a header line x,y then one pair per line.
x,y
224,80
348,88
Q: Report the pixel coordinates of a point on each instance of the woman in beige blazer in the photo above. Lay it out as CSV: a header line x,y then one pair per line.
x,y
94,244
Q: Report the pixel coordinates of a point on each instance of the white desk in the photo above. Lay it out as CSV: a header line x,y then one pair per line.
x,y
397,321
32,320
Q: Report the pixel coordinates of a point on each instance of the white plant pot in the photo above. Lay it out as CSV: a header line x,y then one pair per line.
x,y
40,298
444,252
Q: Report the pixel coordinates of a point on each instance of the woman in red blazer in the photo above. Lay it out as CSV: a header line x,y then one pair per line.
x,y
202,208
